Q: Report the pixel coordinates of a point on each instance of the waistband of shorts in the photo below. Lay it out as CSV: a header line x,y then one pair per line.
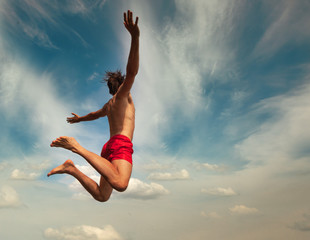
x,y
120,136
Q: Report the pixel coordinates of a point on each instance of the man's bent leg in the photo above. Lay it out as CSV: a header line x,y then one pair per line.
x,y
101,193
117,173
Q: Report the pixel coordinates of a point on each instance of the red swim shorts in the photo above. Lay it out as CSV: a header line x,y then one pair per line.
x,y
118,147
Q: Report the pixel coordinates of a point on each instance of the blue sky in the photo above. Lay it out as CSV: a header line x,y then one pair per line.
x,y
222,113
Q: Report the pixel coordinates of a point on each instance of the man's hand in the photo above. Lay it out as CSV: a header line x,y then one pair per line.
x,y
132,28
74,119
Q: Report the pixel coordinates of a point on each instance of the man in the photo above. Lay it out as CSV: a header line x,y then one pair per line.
x,y
115,162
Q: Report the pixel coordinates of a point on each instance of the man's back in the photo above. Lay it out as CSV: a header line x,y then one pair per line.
x,y
121,115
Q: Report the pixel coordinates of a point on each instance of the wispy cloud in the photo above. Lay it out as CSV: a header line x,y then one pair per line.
x,y
292,15
283,135
95,75
38,36
81,6
38,17
85,44
83,232
185,54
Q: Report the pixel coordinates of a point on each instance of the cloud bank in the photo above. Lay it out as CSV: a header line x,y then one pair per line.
x,y
140,190
83,232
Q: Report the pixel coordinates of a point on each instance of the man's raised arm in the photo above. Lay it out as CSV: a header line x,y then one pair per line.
x,y
133,59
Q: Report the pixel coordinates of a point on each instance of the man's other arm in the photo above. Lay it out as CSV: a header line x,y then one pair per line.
x,y
89,117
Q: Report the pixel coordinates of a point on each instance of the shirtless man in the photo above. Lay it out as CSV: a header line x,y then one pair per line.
x,y
115,162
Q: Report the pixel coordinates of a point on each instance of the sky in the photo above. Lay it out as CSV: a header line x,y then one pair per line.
x,y
221,143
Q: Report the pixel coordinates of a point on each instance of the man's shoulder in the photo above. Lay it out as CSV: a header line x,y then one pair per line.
x,y
122,97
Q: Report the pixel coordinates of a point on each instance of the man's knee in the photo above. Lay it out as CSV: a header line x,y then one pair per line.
x,y
102,198
120,185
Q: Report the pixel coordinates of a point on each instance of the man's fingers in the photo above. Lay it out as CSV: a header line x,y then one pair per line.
x,y
137,19
128,20
129,17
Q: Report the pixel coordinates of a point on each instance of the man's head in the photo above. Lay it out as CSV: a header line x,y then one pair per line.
x,y
114,80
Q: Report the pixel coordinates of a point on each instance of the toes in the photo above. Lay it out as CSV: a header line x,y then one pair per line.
x,y
57,141
62,142
55,144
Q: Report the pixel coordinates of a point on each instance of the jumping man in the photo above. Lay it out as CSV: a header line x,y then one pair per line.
x,y
115,162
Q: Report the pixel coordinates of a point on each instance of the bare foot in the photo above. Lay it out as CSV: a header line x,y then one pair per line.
x,y
66,167
66,142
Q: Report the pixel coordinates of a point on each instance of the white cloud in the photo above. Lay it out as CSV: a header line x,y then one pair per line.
x,y
182,175
20,175
219,191
83,232
243,210
9,197
140,190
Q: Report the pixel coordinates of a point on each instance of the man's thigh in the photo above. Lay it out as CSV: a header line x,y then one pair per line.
x,y
124,168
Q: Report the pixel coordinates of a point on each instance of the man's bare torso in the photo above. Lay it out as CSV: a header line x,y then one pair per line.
x,y
121,116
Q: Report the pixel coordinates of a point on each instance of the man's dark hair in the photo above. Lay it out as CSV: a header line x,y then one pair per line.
x,y
114,80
